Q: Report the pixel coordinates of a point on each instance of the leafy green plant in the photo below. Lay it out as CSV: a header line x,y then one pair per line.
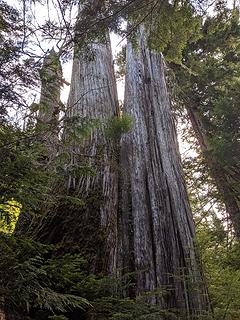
x,y
117,126
29,281
221,265
9,213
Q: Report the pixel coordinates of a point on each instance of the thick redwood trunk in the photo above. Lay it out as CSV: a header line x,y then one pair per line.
x,y
93,96
227,182
156,223
90,223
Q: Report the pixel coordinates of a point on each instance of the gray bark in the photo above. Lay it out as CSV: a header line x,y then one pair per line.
x,y
156,224
50,103
93,226
93,95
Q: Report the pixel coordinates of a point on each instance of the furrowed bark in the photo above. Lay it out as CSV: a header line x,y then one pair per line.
x,y
50,103
156,223
93,96
90,223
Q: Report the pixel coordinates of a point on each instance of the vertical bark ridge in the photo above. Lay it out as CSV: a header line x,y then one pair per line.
x,y
93,96
50,103
163,228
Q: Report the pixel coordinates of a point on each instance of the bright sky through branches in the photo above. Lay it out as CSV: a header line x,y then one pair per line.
x,y
39,15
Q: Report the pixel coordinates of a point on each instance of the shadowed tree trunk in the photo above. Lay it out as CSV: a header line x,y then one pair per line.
x,y
47,127
156,224
227,180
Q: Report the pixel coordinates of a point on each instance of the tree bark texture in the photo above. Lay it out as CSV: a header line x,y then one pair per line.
x,y
227,180
2,311
50,103
90,224
156,223
93,96
46,129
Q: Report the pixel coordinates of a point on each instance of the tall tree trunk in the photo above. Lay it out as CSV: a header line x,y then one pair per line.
x,y
156,223
226,179
47,127
93,96
90,222
50,103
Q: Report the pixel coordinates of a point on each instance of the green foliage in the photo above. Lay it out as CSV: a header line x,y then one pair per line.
x,y
130,309
73,201
213,85
221,265
29,282
39,279
14,67
24,179
168,25
117,126
9,213
120,62
172,27
78,129
209,86
115,308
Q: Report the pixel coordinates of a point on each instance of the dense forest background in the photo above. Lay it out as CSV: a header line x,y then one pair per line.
x,y
55,262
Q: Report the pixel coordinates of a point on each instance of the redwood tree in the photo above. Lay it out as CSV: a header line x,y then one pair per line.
x,y
93,100
156,224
